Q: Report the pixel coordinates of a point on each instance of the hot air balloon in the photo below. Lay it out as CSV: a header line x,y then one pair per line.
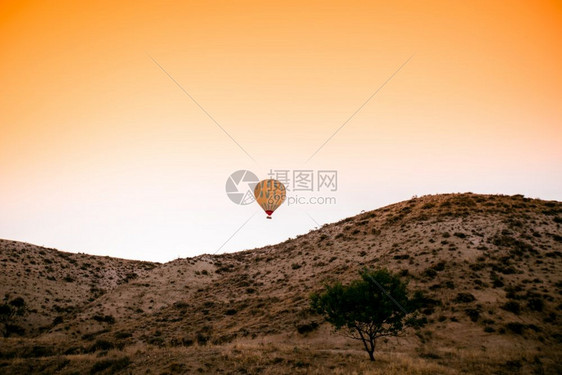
x,y
270,194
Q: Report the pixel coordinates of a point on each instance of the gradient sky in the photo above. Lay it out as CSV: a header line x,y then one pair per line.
x,y
100,151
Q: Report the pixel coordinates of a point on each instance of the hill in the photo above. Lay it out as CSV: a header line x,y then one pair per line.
x,y
489,267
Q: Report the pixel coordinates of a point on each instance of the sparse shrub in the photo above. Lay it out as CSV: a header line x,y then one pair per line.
x,y
13,329
181,341
430,355
401,256
420,300
224,339
130,276
106,319
533,327
202,338
497,282
476,266
231,311
37,351
449,284
535,304
178,368
123,335
101,345
16,307
513,365
430,273
92,335
512,306
428,311
439,266
74,350
464,298
515,327
504,268
473,314
17,302
113,365
306,327
156,341
517,247
181,305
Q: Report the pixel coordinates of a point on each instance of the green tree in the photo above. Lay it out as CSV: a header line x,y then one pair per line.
x,y
368,308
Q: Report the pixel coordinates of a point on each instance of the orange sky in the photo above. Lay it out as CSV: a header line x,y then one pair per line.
x,y
101,152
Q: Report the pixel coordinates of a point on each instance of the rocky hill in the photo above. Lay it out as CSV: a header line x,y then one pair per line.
x,y
489,267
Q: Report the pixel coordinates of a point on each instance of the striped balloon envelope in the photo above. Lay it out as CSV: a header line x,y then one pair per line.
x,y
270,194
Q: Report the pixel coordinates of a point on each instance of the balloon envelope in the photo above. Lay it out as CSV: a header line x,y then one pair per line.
x,y
270,194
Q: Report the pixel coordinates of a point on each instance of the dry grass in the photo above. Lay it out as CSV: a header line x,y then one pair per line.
x,y
282,359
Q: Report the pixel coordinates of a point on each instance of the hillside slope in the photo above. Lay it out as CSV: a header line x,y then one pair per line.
x,y
489,267
53,284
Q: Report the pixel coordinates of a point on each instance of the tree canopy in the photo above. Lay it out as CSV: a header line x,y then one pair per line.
x,y
368,308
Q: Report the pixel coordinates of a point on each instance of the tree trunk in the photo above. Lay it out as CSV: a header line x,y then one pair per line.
x,y
370,346
372,349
